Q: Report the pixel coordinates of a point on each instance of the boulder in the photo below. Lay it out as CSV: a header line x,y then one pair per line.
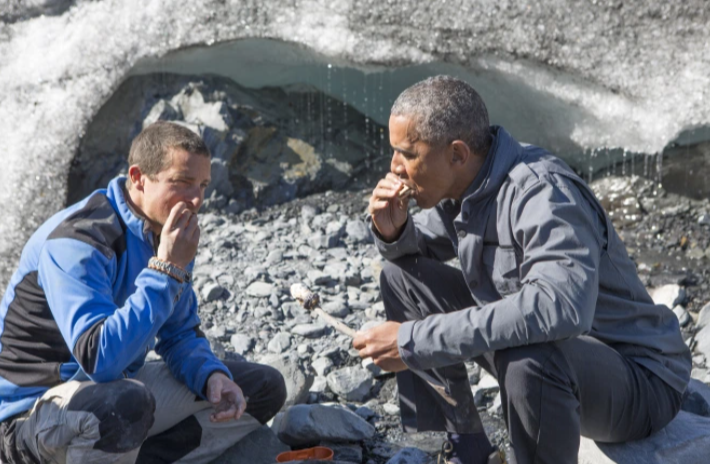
x,y
686,440
310,424
259,447
298,382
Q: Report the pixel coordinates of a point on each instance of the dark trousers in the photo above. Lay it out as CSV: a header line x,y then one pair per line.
x,y
551,392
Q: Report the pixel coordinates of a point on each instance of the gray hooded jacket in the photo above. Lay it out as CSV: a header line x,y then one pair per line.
x,y
542,261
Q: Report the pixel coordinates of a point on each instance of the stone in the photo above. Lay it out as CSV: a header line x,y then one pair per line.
x,y
686,440
703,317
410,456
318,277
322,365
669,295
260,289
374,369
309,330
274,257
357,231
345,452
320,385
212,291
242,343
259,447
310,424
391,409
485,388
682,315
337,308
702,339
350,383
279,343
298,382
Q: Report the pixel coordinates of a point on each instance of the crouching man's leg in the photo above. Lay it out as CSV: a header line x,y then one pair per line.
x,y
554,392
413,288
85,422
183,431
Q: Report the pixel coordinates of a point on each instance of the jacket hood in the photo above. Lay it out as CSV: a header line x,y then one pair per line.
x,y
505,152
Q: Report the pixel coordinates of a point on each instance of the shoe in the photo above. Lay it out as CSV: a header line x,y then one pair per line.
x,y
469,449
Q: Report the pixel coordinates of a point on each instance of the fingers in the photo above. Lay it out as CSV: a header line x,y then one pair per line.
x,y
174,216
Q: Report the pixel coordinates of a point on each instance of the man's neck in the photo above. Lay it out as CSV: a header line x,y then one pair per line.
x,y
133,201
468,176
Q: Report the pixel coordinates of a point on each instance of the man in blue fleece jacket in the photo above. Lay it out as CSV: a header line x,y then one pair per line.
x,y
97,285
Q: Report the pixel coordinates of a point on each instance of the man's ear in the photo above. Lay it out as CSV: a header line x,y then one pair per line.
x,y
460,153
136,177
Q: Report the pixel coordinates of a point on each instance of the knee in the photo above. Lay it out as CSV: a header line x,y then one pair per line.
x,y
123,409
267,390
520,369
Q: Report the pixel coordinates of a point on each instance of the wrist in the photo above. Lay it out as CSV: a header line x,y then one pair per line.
x,y
170,269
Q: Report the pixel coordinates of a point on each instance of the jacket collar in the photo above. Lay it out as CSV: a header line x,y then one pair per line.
x,y
505,152
136,224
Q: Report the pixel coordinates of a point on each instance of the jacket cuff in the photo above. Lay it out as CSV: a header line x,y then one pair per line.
x,y
405,344
406,244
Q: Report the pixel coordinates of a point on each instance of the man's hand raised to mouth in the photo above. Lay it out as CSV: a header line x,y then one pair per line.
x,y
180,236
387,209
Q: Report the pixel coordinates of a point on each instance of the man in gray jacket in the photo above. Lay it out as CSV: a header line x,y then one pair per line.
x,y
547,299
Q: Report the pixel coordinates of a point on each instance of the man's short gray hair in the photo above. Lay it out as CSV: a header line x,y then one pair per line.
x,y
445,109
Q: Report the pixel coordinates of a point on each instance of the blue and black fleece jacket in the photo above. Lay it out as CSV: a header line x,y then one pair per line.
x,y
83,303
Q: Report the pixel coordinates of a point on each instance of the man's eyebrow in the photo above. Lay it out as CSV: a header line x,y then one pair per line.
x,y
402,150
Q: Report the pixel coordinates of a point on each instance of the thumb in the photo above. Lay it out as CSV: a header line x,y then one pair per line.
x,y
214,390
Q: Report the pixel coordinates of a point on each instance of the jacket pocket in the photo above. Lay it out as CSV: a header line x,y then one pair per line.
x,y
502,266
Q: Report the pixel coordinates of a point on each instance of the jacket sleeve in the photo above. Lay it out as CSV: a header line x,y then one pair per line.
x,y
423,234
561,237
184,347
103,337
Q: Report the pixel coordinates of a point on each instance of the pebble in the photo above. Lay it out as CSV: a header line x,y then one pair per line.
x,y
309,330
241,343
212,291
260,289
669,295
350,383
280,343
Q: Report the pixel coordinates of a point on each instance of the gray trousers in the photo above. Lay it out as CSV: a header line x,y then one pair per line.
x,y
151,418
551,392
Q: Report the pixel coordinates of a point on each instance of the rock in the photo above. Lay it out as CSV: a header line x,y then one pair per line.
x,y
337,308
298,382
685,440
212,291
410,456
696,399
311,424
365,412
309,330
322,365
318,277
485,388
259,447
260,289
320,385
391,409
274,257
350,383
682,315
703,317
344,452
357,231
241,343
702,339
280,343
370,365
669,295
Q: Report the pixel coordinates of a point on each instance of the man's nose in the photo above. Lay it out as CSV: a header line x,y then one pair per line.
x,y
396,165
195,199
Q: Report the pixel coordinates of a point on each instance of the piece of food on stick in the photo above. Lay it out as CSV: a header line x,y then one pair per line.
x,y
405,192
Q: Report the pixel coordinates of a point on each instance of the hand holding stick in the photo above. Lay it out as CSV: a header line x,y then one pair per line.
x,y
311,301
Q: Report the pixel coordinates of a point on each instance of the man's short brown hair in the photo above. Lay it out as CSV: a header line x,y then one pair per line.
x,y
150,148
